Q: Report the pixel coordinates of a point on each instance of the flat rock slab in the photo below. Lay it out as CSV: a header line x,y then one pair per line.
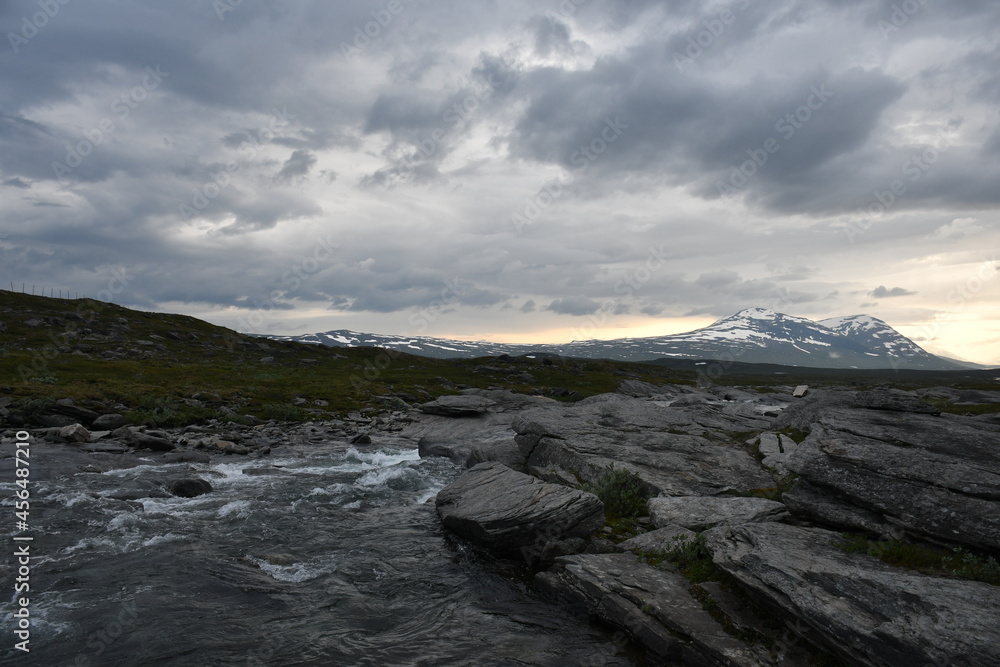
x,y
661,540
676,451
866,611
701,513
650,604
891,473
513,514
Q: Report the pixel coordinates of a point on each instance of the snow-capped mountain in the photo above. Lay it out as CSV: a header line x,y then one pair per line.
x,y
879,337
754,335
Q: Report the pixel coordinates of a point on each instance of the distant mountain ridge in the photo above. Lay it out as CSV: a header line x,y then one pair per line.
x,y
753,335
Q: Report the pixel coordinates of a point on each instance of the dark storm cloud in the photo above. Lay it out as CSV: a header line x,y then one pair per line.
x,y
450,117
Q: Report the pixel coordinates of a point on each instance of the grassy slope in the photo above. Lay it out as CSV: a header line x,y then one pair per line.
x,y
64,357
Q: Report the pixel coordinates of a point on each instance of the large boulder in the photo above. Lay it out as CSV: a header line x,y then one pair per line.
x,y
108,422
700,513
857,607
650,604
676,451
513,514
895,473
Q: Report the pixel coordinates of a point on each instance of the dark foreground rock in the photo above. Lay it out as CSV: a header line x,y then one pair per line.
x,y
513,514
650,604
898,473
857,607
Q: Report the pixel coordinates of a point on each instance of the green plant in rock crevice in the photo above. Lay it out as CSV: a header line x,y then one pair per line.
x,y
622,491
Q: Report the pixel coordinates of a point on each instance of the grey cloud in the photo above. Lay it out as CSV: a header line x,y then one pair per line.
x,y
574,306
881,292
297,165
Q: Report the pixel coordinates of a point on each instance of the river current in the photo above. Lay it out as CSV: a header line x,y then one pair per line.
x,y
322,554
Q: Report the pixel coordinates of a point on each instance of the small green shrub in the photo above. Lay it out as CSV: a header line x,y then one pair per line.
x,y
623,493
694,560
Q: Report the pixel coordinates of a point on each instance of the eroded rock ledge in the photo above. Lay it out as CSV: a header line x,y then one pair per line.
x,y
883,462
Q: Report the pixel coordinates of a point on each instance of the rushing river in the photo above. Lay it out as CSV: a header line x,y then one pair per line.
x,y
323,554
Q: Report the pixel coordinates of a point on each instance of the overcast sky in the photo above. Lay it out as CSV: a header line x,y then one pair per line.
x,y
515,171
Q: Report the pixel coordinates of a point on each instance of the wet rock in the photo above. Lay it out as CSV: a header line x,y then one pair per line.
x,y
889,472
650,604
458,452
106,447
187,457
189,488
865,611
513,514
108,422
361,439
699,513
458,406
895,400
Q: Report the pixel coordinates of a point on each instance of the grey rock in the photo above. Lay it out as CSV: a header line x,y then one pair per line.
x,y
650,604
458,452
769,444
458,406
639,389
553,475
67,409
75,433
189,488
505,452
931,477
859,608
661,540
800,391
514,514
698,513
666,446
895,400
228,447
108,422
56,421
157,443
362,439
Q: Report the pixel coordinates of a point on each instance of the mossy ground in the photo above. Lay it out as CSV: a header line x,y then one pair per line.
x,y
956,562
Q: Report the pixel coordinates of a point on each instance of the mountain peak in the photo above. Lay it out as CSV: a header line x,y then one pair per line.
x,y
756,313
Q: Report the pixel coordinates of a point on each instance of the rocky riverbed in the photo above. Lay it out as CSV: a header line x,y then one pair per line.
x,y
761,486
